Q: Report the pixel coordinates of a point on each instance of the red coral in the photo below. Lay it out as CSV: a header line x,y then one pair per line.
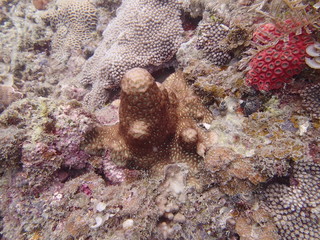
x,y
276,65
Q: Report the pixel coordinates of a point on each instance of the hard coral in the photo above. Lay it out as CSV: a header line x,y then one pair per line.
x,y
157,123
295,208
145,33
211,34
74,21
311,101
274,66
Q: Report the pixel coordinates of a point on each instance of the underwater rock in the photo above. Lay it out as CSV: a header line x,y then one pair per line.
x,y
8,95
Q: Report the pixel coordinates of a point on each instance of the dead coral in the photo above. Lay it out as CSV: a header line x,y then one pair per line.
x,y
157,123
74,22
295,208
145,33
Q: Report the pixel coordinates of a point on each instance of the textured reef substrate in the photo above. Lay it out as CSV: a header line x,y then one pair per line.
x,y
159,119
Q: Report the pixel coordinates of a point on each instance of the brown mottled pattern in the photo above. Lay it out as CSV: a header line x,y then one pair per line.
x,y
157,123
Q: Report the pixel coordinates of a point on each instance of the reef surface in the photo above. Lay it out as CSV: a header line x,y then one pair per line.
x,y
159,119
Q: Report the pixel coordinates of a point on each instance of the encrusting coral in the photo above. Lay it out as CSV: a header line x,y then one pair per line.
x,y
145,33
211,34
274,66
295,208
157,123
74,22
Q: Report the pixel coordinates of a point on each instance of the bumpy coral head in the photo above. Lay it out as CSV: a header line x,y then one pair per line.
x,y
143,109
137,80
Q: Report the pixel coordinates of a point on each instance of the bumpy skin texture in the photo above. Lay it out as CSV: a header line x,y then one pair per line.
x,y
295,208
311,100
145,33
276,65
74,22
211,35
157,123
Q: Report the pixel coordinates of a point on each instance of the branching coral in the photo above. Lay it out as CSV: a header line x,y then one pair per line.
x,y
157,123
145,33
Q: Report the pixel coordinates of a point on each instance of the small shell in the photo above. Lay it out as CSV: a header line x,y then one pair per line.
x,y
99,222
313,50
128,224
313,62
317,5
101,206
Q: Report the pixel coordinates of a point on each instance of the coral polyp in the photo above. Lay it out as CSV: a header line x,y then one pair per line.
x,y
275,66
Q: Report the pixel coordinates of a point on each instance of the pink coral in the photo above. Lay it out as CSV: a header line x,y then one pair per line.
x,y
276,65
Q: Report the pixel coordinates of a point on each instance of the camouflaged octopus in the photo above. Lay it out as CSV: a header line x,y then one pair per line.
x,y
158,124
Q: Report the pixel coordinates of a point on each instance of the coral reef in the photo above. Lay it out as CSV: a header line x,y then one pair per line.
x,y
8,95
157,123
74,22
52,136
145,33
157,163
274,66
23,45
295,207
